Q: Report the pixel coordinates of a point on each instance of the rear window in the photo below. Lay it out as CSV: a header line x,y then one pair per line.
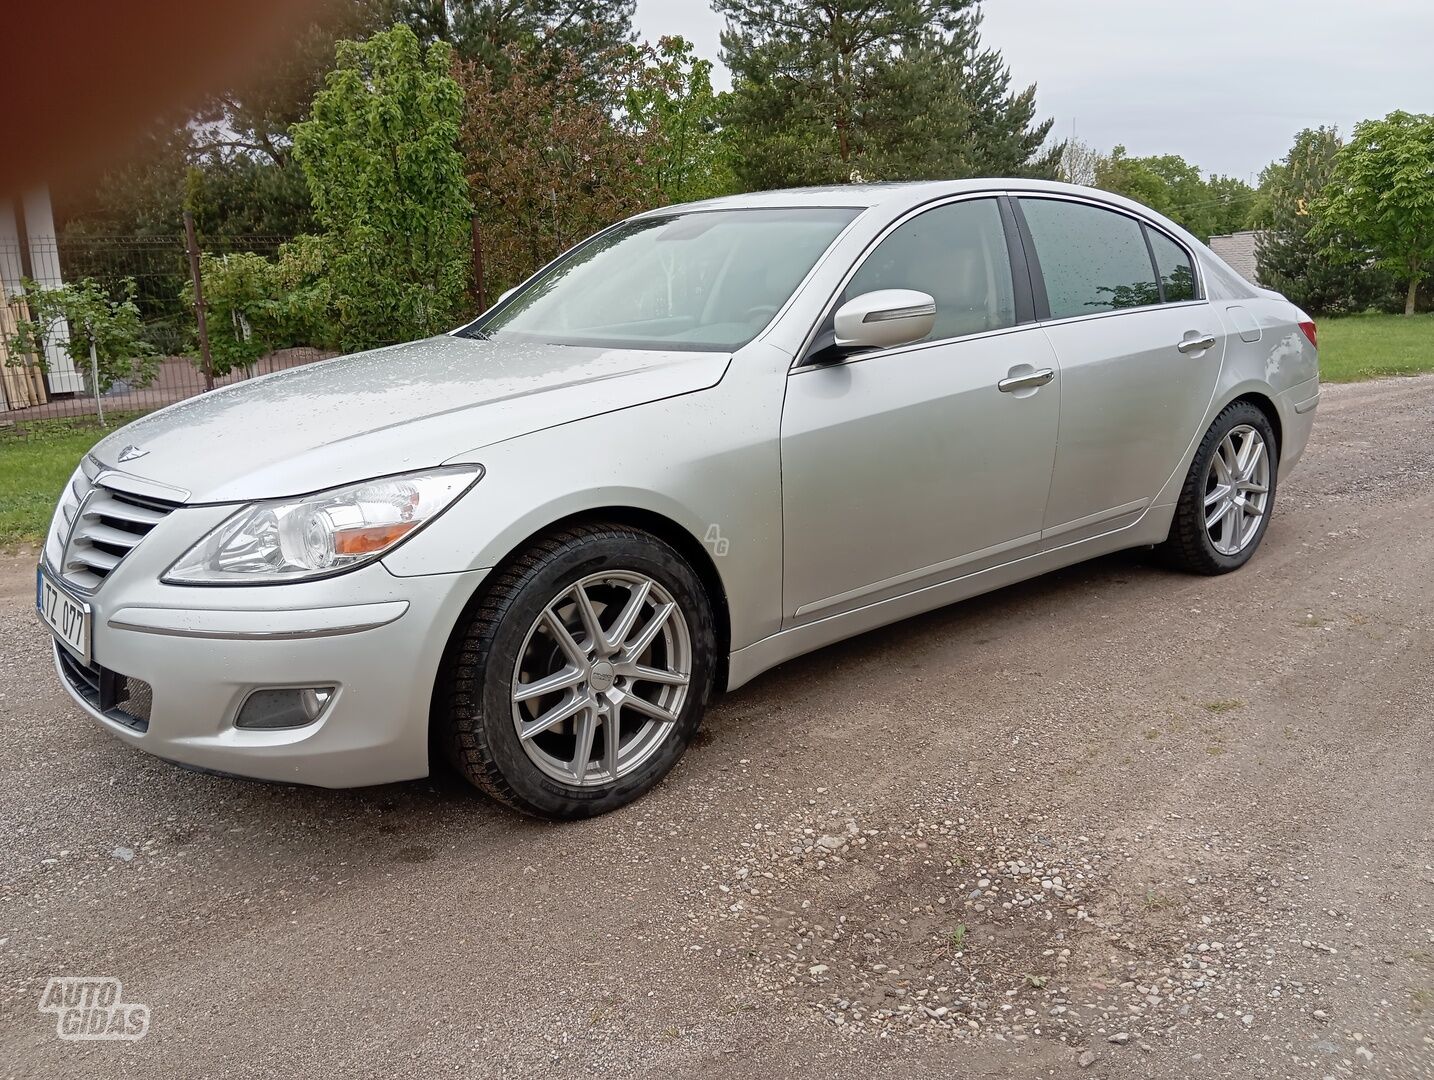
x,y
1177,275
1092,260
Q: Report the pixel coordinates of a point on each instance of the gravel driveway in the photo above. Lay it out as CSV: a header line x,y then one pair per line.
x,y
1113,822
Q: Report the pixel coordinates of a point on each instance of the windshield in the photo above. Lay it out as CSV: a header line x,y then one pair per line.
x,y
701,280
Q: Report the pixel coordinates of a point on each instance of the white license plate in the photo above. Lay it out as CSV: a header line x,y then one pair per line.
x,y
67,618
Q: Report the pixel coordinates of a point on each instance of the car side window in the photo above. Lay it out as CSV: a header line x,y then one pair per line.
x,y
957,253
1092,260
1177,275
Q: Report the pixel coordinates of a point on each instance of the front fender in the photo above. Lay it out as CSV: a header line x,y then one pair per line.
x,y
708,462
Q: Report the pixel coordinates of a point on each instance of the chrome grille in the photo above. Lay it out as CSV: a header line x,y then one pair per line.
x,y
97,525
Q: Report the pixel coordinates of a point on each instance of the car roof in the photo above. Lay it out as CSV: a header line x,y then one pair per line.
x,y
892,194
896,197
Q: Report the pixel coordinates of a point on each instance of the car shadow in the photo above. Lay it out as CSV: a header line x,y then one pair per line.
x,y
414,821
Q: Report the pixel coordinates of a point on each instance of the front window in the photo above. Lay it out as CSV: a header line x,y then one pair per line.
x,y
706,280
955,253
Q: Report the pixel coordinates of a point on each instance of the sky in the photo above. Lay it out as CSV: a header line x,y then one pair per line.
x,y
1226,84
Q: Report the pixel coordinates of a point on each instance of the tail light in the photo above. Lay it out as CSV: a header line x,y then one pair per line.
x,y
1308,327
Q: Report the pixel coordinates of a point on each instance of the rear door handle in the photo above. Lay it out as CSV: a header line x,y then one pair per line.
x,y
1199,344
1026,382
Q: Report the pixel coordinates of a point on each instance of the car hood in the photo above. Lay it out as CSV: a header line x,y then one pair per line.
x,y
391,410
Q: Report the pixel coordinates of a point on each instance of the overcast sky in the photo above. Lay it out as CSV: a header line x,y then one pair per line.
x,y
1224,83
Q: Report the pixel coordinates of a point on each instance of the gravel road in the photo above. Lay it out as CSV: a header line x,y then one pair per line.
x,y
1115,822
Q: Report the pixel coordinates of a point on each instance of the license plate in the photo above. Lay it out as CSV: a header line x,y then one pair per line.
x,y
67,618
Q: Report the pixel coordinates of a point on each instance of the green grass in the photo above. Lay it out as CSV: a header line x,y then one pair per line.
x,y
33,469
1368,346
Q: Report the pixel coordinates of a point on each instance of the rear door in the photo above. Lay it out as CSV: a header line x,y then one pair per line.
x,y
1139,351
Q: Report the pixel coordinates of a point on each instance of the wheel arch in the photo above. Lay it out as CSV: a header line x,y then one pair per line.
x,y
650,521
1266,404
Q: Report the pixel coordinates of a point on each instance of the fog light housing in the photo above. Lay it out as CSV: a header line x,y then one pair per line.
x,y
283,707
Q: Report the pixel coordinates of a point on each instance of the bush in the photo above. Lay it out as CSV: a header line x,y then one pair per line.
x,y
93,318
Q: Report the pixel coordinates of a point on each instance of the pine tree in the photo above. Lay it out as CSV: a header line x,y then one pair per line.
x,y
1291,258
874,90
487,31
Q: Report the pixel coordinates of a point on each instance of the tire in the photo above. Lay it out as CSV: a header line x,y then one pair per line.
x,y
1198,547
511,642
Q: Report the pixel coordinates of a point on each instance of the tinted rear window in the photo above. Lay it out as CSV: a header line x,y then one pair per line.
x,y
1177,276
1093,260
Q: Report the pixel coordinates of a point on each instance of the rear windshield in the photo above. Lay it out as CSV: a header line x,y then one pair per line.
x,y
706,280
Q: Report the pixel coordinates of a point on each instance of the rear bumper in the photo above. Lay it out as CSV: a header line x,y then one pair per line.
x,y
379,645
1297,412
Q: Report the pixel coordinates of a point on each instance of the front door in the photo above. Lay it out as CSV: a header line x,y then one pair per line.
x,y
911,466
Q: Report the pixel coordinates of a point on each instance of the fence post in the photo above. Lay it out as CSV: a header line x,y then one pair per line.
x,y
95,378
192,245
478,265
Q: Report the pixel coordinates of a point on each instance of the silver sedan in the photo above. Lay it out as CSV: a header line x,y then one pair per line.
x,y
706,440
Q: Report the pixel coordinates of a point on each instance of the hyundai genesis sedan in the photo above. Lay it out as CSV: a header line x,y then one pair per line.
x,y
706,440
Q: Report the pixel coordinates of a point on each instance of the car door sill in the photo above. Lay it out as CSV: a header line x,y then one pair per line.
x,y
1098,518
916,575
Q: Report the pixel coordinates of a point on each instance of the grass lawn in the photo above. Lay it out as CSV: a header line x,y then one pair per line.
x,y
33,469
1367,346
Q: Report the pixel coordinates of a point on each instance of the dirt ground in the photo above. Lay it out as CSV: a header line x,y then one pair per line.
x,y
1114,822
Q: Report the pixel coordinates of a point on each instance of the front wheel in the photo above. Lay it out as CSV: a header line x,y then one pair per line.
x,y
582,676
1228,496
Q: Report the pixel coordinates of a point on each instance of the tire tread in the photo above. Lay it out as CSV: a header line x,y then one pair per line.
x,y
1188,547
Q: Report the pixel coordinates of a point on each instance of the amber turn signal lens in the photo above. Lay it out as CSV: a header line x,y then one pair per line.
x,y
374,538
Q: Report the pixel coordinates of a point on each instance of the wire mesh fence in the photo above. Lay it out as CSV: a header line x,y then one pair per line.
x,y
50,381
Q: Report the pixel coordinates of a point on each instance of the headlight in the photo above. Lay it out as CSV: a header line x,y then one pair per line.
x,y
323,534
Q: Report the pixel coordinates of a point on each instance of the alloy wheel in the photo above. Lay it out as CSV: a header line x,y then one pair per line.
x,y
602,678
1237,490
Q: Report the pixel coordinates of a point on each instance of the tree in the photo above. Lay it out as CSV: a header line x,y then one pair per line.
x,y
1135,178
1291,257
547,164
253,116
228,157
1079,163
139,194
1170,185
381,156
1382,196
1231,205
543,34
672,105
243,196
881,89
241,295
94,319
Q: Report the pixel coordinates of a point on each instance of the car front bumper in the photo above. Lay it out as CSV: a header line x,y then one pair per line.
x,y
173,666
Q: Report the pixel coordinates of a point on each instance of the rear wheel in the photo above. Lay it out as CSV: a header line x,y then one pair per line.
x,y
1228,496
582,676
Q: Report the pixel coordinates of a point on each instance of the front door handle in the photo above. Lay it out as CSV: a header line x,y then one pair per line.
x,y
1026,382
1199,344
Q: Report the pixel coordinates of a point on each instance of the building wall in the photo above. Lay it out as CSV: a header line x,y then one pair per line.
x,y
1238,249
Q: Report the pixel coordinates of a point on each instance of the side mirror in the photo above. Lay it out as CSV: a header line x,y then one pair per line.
x,y
884,319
